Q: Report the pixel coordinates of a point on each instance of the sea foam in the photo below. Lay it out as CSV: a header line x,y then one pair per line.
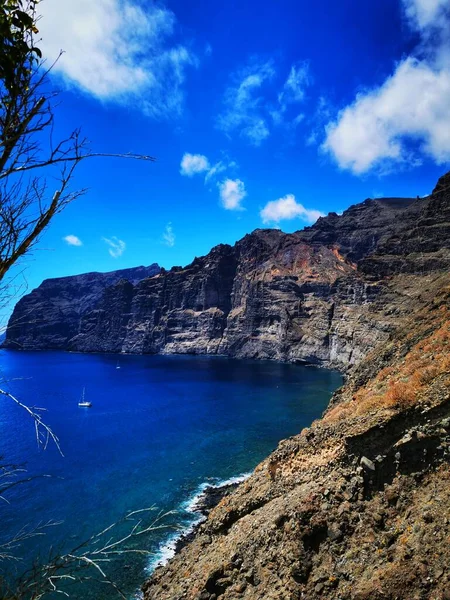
x,y
191,506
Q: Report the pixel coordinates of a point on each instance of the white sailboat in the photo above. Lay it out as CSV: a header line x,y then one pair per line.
x,y
118,365
84,403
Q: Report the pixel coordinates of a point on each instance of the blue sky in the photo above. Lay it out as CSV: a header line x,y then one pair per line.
x,y
260,114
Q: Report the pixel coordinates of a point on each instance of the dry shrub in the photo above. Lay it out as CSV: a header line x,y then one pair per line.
x,y
385,373
339,412
400,394
401,385
446,364
370,402
414,365
428,374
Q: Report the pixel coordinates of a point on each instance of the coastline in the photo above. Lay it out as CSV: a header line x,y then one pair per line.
x,y
198,506
342,369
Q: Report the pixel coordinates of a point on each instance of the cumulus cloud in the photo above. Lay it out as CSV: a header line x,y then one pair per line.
x,y
73,240
192,164
116,247
288,208
414,104
196,164
115,50
425,13
407,116
232,192
169,236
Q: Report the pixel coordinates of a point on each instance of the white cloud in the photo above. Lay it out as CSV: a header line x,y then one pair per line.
x,y
191,164
116,246
288,208
73,240
425,13
169,236
219,167
294,88
252,105
115,50
408,115
232,192
195,164
244,103
413,104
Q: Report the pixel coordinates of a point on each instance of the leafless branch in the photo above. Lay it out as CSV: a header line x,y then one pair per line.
x,y
91,557
43,432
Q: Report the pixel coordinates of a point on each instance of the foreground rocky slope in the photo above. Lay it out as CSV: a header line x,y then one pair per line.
x,y
355,507
325,295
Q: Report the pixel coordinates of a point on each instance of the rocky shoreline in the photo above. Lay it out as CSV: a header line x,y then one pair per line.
x,y
205,502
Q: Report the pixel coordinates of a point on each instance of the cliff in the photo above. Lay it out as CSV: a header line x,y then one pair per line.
x,y
50,316
355,507
325,295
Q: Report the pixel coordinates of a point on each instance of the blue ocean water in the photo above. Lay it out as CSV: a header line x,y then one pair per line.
x,y
159,428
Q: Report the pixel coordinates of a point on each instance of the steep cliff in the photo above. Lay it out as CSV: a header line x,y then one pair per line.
x,y
325,295
50,316
357,506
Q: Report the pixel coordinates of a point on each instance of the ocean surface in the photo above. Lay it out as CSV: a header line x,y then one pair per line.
x,y
160,428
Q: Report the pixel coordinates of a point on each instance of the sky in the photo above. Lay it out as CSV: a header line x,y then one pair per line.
x,y
265,113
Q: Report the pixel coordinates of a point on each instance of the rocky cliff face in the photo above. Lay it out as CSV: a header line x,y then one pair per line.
x,y
357,506
50,316
325,295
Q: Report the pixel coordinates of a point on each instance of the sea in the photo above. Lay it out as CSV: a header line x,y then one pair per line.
x,y
159,431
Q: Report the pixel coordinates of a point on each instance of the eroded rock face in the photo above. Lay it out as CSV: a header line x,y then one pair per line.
x,y
50,316
325,295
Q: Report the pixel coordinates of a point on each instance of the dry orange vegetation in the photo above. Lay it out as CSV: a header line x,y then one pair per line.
x,y
405,383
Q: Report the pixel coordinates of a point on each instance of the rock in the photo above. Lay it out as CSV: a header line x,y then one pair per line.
x,y
334,533
391,496
59,305
367,464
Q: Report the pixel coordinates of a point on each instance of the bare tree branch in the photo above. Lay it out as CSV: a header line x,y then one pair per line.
x,y
94,555
43,432
26,112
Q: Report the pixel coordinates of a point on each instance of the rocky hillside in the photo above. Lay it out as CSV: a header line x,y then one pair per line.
x,y
325,295
357,506
51,315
